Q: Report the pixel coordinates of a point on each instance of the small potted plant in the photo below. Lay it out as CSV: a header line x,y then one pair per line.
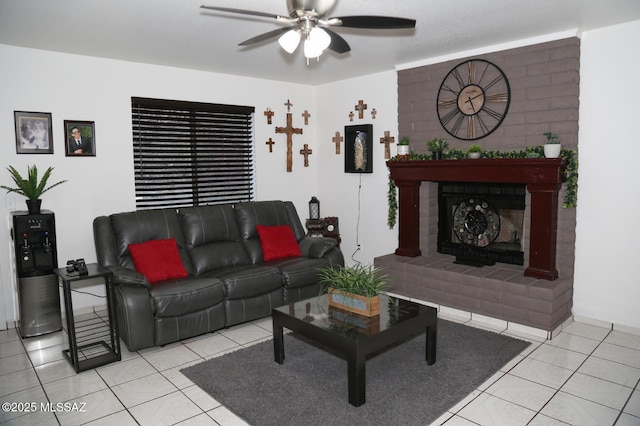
x,y
403,146
356,289
553,147
31,187
474,151
437,146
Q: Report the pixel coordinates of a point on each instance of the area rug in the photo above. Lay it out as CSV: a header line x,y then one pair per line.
x,y
310,388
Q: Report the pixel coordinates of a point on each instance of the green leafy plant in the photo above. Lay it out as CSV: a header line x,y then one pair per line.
x,y
474,148
392,202
31,187
404,141
437,144
358,279
552,138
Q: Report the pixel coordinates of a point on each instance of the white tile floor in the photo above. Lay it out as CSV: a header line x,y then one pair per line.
x,y
587,375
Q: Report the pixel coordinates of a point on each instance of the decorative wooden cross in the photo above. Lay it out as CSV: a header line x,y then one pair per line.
x,y
289,131
306,116
288,104
306,152
350,115
337,139
373,113
270,142
360,108
386,140
268,113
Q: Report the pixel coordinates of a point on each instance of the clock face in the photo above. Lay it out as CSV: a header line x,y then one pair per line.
x,y
476,222
473,99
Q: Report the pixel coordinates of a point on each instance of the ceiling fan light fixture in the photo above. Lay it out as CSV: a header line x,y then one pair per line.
x,y
316,42
290,40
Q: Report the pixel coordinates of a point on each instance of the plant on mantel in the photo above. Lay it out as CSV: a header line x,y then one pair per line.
x,y
571,183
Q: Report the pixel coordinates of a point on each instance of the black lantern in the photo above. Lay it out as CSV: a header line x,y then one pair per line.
x,y
314,208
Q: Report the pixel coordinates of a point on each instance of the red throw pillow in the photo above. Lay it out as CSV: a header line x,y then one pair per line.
x,y
158,260
277,242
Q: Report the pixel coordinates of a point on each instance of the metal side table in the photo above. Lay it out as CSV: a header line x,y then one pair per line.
x,y
93,338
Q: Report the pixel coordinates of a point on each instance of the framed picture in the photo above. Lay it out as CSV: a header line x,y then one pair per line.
x,y
80,138
33,132
358,153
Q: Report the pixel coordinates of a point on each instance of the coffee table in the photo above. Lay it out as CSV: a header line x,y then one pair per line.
x,y
354,336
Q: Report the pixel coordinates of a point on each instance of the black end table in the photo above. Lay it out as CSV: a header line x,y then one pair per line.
x,y
93,341
353,335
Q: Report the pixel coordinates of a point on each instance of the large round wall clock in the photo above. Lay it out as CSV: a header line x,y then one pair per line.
x,y
473,99
476,222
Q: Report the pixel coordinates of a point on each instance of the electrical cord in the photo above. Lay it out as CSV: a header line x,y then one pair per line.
x,y
358,222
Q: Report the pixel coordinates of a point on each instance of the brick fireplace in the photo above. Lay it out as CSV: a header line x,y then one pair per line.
x,y
533,294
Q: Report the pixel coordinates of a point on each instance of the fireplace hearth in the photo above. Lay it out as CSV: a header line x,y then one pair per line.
x,y
481,223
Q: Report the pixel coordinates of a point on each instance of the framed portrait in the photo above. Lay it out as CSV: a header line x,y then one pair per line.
x,y
33,132
358,153
80,138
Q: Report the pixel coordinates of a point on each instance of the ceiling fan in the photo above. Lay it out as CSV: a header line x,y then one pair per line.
x,y
307,22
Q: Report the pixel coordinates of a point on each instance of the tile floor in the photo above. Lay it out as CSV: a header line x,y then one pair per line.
x,y
587,375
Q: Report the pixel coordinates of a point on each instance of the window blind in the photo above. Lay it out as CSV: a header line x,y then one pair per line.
x,y
189,153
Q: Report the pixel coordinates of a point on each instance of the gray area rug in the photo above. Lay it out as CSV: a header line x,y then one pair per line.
x,y
310,388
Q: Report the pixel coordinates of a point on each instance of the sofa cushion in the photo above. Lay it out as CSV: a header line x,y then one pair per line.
x,y
212,237
300,272
172,298
277,242
158,260
247,281
145,225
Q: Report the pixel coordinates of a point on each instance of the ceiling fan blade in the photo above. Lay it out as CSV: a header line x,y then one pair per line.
x,y
244,12
338,44
376,22
266,36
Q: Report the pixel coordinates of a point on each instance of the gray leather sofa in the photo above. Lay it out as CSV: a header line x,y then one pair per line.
x,y
228,282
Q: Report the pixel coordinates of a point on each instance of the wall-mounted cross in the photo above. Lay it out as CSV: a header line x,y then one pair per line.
x,y
374,112
270,142
360,107
268,113
350,115
306,116
288,104
337,139
289,131
386,140
306,152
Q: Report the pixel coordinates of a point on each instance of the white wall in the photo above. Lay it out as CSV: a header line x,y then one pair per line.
x,y
607,281
607,285
83,88
359,200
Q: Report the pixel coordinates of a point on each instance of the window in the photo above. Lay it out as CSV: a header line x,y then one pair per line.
x,y
188,153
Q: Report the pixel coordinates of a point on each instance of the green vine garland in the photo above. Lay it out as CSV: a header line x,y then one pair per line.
x,y
571,183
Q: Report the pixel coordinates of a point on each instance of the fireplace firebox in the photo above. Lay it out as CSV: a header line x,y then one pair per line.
x,y
481,223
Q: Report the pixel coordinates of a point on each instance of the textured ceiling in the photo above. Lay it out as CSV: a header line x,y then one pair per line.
x,y
179,33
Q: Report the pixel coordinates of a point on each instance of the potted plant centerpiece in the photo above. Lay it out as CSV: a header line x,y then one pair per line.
x,y
403,146
552,148
31,187
437,146
356,289
474,151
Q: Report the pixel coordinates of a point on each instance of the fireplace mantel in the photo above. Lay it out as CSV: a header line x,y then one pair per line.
x,y
542,177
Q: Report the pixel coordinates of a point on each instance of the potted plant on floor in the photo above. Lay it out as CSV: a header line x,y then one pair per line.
x,y
31,187
356,289
474,151
552,148
437,146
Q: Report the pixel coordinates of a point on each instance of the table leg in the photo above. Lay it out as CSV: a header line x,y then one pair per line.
x,y
357,375
432,340
278,343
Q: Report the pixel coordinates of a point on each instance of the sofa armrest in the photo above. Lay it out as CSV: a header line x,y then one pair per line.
x,y
128,277
316,247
